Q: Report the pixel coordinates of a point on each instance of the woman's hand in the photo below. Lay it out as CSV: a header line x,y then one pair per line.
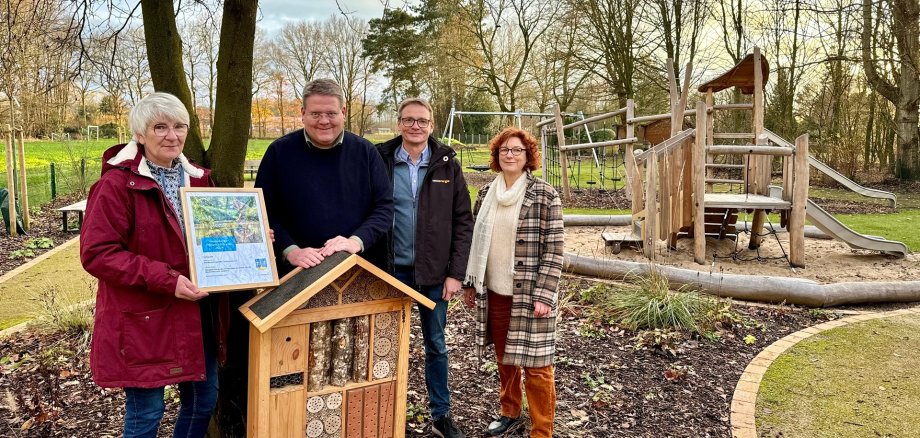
x,y
469,296
188,291
541,310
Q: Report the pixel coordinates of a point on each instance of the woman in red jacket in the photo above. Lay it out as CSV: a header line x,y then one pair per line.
x,y
153,327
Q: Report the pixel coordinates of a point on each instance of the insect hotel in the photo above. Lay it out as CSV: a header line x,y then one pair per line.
x,y
329,352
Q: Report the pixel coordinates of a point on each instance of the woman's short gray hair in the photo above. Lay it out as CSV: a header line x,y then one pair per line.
x,y
156,105
324,87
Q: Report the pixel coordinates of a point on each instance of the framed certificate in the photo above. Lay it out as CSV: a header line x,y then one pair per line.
x,y
228,239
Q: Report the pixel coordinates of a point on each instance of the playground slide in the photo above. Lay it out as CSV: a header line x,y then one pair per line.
x,y
827,223
834,228
835,175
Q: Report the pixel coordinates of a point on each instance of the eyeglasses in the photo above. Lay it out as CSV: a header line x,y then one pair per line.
x,y
162,129
514,151
408,122
318,116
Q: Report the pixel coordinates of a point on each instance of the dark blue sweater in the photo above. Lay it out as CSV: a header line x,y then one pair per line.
x,y
313,194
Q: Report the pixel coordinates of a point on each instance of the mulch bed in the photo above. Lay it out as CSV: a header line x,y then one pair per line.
x,y
605,386
46,223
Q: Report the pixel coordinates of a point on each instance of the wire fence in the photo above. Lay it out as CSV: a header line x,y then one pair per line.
x,y
46,183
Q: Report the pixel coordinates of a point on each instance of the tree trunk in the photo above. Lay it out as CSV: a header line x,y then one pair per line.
x,y
908,162
906,94
164,55
233,106
867,144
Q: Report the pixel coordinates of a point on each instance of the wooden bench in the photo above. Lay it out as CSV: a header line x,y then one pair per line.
x,y
251,166
80,208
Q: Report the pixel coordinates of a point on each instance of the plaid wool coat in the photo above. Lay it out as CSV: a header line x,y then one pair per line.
x,y
537,267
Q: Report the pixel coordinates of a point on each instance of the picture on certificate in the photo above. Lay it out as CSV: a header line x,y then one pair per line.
x,y
228,239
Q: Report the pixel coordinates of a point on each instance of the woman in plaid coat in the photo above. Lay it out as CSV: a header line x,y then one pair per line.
x,y
514,268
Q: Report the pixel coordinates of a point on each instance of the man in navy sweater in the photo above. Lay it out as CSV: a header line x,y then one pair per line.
x,y
326,190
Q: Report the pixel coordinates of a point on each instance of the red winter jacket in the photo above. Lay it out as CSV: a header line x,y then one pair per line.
x,y
131,241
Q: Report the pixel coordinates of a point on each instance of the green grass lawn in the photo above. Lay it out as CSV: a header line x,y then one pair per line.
x,y
58,281
853,381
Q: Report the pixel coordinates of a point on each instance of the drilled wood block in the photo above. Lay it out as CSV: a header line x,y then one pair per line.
x,y
288,350
354,413
371,411
387,400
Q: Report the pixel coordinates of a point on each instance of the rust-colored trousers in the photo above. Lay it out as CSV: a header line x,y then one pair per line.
x,y
539,383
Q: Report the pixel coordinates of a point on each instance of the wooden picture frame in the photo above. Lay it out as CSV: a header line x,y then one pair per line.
x,y
228,238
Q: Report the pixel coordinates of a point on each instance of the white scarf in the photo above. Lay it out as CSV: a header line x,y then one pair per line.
x,y
498,194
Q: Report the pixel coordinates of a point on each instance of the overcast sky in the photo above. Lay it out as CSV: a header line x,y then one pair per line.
x,y
274,13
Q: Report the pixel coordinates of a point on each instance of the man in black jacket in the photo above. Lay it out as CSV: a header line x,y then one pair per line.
x,y
430,239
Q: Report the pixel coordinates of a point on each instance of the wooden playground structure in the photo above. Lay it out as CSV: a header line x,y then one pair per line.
x,y
676,187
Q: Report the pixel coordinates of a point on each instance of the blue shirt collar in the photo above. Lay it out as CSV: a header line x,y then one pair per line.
x,y
403,155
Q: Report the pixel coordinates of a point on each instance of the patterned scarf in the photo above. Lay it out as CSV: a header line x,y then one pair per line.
x,y
170,180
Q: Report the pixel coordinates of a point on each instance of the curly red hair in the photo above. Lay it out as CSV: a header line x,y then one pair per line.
x,y
529,142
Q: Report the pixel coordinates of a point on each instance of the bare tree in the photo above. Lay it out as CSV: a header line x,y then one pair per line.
x,y
680,23
506,33
34,35
615,42
298,50
343,60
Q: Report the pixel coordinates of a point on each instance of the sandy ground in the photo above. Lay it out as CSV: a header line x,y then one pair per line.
x,y
826,261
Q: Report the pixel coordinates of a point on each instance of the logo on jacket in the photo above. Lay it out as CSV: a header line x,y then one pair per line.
x,y
442,181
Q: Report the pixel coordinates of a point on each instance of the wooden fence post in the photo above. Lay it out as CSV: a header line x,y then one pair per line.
x,y
651,206
799,196
23,185
10,181
563,162
699,185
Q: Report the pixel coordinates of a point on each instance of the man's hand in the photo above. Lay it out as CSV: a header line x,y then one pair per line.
x,y
305,257
469,296
188,291
541,310
271,234
452,287
339,243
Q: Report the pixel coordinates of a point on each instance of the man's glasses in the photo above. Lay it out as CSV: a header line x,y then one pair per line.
x,y
317,116
408,122
514,151
162,129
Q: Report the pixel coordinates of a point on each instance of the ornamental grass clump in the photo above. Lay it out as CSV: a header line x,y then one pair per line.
x,y
646,302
